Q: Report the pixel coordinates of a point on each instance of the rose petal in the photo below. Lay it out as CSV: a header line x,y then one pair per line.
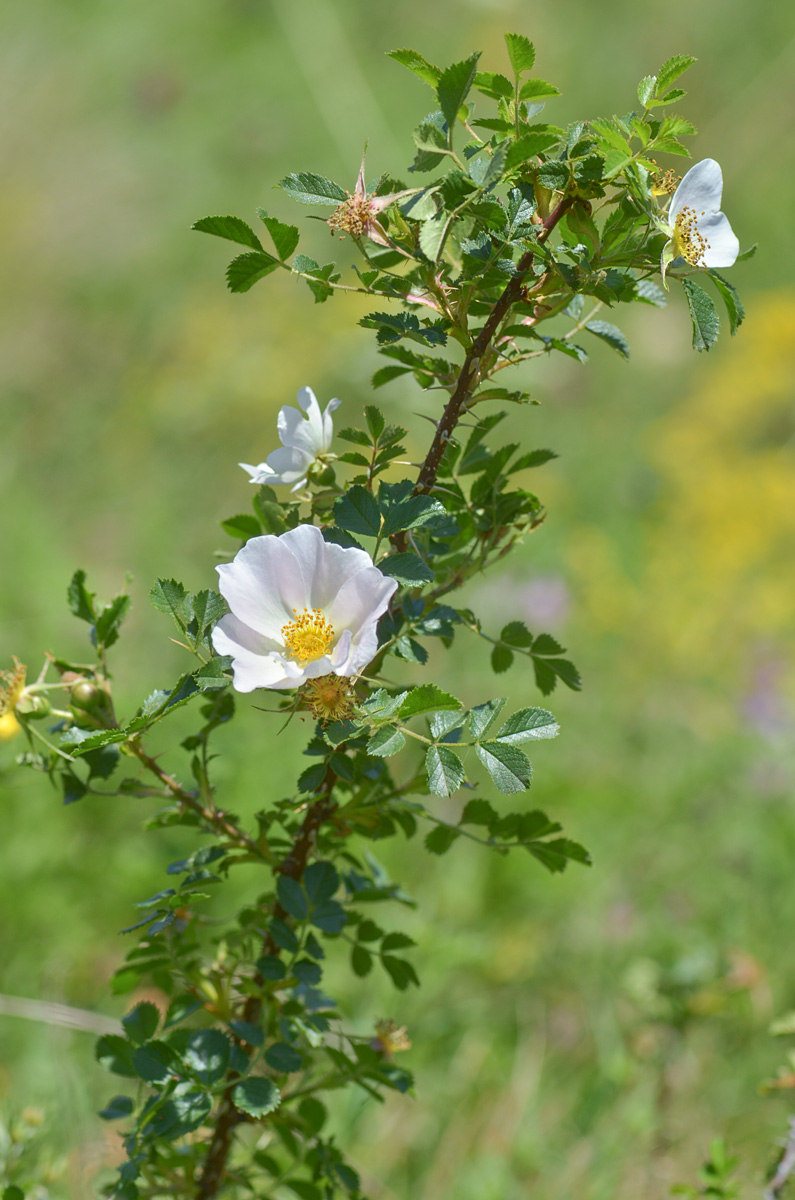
x,y
257,662
701,189
263,585
723,244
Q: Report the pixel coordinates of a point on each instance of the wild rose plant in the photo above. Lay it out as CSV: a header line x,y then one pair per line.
x,y
514,241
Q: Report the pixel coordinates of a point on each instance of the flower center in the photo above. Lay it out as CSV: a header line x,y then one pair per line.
x,y
329,698
12,685
353,216
309,636
688,241
664,183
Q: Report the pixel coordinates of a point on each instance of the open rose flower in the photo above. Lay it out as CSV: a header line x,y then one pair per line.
x,y
300,608
305,434
698,231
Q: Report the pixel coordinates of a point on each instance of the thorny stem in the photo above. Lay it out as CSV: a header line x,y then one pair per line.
x,y
293,866
212,816
469,375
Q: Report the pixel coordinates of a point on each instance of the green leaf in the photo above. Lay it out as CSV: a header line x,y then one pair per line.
x,y
454,85
386,741
427,698
478,812
156,1062
416,63
232,228
80,600
284,1058
556,854
291,896
357,512
406,568
484,715
533,458
312,189
304,1189
245,270
508,767
537,89
329,916
731,298
361,961
321,881
256,1096
252,1034
650,293
433,233
516,633
396,941
207,1055
270,967
646,89
119,1106
528,146
375,420
141,1022
528,724
703,314
501,659
521,53
242,526
441,838
381,706
672,69
285,237
490,83
400,972
109,621
12,1192
208,606
610,334
445,772
168,596
412,513
115,1054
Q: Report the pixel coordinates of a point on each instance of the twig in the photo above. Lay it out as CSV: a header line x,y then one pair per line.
x,y
786,1166
217,819
293,866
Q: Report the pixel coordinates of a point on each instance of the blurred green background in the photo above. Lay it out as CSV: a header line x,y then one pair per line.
x,y
578,1035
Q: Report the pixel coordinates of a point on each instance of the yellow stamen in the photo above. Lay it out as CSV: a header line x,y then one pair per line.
x,y
391,1038
309,636
328,697
664,183
687,240
12,685
353,216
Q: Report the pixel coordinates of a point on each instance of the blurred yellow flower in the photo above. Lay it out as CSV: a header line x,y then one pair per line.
x,y
9,727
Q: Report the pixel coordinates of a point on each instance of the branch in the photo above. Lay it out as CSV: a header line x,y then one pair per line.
x,y
786,1166
468,377
293,865
212,816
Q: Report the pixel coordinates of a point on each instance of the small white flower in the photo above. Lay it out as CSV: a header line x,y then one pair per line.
x,y
305,434
301,607
698,231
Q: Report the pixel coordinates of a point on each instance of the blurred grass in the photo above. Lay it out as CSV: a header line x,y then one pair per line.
x,y
578,1035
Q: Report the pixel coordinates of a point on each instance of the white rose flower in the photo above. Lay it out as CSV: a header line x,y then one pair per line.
x,y
300,608
305,434
698,231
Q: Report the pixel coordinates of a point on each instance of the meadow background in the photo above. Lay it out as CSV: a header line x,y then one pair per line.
x,y
586,1034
